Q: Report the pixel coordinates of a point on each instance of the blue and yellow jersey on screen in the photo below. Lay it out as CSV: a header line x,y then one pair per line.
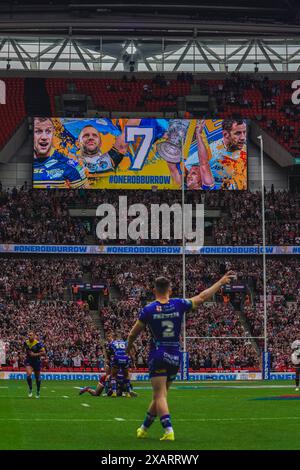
x,y
57,171
226,165
229,164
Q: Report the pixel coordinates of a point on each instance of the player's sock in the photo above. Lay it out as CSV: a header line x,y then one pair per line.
x,y
114,385
106,387
166,423
29,381
128,385
38,386
149,419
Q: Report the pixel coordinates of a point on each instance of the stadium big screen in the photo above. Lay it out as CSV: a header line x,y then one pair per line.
x,y
140,153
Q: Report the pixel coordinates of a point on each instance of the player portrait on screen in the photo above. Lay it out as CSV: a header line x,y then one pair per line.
x,y
220,163
93,159
91,156
51,169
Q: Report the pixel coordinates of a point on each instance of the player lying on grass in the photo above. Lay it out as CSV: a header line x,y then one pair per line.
x,y
104,385
34,351
164,317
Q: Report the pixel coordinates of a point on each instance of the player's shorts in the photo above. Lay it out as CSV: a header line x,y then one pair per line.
x,y
36,365
121,362
164,363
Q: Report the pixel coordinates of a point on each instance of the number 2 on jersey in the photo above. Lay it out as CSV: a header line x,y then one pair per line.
x,y
168,329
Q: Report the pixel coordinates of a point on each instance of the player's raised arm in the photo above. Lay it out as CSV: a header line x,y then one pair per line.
x,y
175,175
205,170
136,330
208,293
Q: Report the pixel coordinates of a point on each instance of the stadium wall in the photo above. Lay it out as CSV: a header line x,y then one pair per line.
x,y
142,75
274,174
148,250
143,377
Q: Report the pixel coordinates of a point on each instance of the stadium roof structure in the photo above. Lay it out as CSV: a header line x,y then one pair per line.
x,y
94,54
197,36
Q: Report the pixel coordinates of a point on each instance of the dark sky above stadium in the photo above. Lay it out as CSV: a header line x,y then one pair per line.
x,y
265,17
278,9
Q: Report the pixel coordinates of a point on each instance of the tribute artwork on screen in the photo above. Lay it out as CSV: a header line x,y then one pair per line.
x,y
140,153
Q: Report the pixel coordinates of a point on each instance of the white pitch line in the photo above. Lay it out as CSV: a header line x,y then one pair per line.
x,y
86,405
3,387
254,387
78,388
120,419
26,396
211,386
280,418
65,396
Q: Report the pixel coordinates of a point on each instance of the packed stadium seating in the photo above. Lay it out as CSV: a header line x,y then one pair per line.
x,y
218,320
149,95
43,216
31,293
260,98
241,220
14,109
32,289
28,299
28,216
265,100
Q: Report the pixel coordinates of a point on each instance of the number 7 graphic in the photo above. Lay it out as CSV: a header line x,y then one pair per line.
x,y
131,132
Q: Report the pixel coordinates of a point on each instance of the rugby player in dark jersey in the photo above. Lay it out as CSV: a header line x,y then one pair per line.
x,y
34,351
119,361
164,317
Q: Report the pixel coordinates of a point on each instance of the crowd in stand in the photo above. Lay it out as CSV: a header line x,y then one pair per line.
x,y
241,221
252,96
37,217
267,101
64,328
32,293
44,217
159,89
31,298
283,288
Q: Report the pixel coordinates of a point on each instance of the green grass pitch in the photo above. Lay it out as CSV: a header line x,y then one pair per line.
x,y
204,416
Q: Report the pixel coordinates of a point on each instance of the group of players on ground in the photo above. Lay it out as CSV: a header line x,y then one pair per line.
x,y
163,318
116,380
